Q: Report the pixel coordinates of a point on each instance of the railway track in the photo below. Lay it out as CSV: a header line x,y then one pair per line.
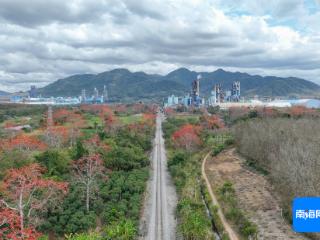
x,y
161,220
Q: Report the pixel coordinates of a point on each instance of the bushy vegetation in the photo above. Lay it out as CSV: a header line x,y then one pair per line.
x,y
213,210
101,160
185,136
239,114
233,213
12,111
193,220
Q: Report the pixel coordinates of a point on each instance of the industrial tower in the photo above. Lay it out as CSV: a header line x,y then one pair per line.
x,y
83,95
235,91
219,96
195,92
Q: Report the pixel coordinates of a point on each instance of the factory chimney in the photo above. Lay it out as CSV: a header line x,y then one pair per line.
x,y
198,85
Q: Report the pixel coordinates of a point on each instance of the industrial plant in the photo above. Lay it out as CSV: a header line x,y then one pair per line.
x,y
231,98
95,98
218,96
224,98
33,97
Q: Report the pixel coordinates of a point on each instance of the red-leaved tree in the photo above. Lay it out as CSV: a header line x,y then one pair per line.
x,y
120,108
169,111
109,119
26,192
67,127
57,136
87,170
10,227
23,142
62,116
138,108
298,111
266,112
148,119
212,122
187,137
94,144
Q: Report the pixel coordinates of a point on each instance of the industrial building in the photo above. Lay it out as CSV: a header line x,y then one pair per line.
x,y
33,92
95,98
218,95
235,91
31,97
191,99
196,100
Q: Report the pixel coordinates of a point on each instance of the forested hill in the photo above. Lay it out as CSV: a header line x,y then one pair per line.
x,y
3,93
124,85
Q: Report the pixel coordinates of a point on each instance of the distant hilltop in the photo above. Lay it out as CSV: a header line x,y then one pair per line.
x,y
3,93
123,85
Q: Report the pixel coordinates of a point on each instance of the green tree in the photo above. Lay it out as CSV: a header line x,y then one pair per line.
x,y
56,161
71,216
13,159
79,150
126,158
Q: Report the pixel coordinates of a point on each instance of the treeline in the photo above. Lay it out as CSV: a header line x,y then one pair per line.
x,y
238,114
8,111
287,149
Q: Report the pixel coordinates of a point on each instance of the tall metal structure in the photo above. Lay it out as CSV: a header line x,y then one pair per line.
x,y
195,92
33,91
235,91
219,95
95,94
83,95
198,85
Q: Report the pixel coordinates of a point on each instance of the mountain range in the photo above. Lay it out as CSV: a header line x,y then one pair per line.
x,y
3,93
123,85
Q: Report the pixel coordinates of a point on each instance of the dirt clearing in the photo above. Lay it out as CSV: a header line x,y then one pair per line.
x,y
254,194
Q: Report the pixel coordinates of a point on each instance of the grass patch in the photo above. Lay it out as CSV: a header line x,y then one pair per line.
x,y
185,169
189,118
213,210
233,213
130,119
93,120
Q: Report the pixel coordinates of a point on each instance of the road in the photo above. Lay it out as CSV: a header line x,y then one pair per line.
x,y
231,233
159,214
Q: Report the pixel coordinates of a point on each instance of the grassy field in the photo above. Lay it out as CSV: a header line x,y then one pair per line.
x,y
130,119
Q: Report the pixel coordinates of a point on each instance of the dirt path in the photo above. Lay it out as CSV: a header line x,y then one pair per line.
x,y
254,193
232,235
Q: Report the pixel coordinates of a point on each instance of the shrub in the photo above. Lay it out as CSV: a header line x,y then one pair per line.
x,y
217,149
123,230
233,213
84,236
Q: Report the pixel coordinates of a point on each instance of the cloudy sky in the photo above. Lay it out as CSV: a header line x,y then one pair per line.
x,y
43,40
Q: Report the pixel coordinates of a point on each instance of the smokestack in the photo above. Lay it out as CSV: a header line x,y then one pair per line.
x,y
198,84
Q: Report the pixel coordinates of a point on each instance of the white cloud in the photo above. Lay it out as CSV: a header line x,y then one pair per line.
x,y
78,36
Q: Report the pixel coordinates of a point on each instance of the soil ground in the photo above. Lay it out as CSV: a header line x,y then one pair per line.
x,y
254,193
227,227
